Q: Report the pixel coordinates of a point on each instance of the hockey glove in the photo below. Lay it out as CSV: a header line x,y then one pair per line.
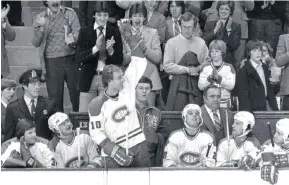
x,y
269,171
247,163
282,160
152,118
14,161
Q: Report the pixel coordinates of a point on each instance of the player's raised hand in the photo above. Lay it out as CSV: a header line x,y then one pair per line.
x,y
5,11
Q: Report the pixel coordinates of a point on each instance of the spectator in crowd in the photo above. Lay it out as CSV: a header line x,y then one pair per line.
x,y
56,31
150,118
217,120
269,61
219,73
255,92
154,19
98,45
15,15
31,106
178,46
190,141
7,91
239,16
7,33
75,149
286,25
283,61
224,29
266,21
150,45
86,9
117,104
27,150
242,148
283,44
195,7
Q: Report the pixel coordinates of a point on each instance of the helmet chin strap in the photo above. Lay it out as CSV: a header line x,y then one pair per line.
x,y
193,128
244,134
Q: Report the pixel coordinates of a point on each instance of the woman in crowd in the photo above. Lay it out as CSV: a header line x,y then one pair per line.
x,y
150,45
224,29
219,72
27,150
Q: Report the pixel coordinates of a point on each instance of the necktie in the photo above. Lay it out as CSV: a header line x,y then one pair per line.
x,y
33,107
176,27
217,121
260,72
102,49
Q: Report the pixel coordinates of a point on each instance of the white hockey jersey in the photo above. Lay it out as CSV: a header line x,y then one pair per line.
x,y
66,155
38,151
116,119
228,74
234,153
185,151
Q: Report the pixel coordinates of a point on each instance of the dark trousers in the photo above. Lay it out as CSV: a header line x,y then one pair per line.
x,y
285,103
266,30
58,71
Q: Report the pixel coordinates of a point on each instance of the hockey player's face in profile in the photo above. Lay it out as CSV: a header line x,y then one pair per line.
x,y
213,98
65,128
216,54
237,128
193,118
142,91
101,18
118,79
30,136
278,137
175,10
137,20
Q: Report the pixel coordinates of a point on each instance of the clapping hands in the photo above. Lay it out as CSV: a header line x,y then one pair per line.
x,y
109,45
4,12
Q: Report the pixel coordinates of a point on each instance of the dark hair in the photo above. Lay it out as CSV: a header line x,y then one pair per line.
x,y
138,8
231,5
145,79
178,3
208,88
101,6
45,3
252,44
188,16
107,74
22,126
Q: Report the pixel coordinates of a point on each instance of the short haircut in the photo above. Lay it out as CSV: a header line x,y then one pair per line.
x,y
208,88
22,126
218,45
102,6
188,16
268,46
138,8
251,45
178,3
145,79
231,5
107,73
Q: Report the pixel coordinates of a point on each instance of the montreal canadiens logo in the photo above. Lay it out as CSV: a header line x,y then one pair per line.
x,y
120,113
190,159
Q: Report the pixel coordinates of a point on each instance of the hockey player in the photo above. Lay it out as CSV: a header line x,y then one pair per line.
x,y
190,146
113,120
27,151
276,156
240,149
74,150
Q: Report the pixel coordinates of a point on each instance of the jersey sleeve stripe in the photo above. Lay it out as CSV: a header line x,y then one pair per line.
x,y
134,135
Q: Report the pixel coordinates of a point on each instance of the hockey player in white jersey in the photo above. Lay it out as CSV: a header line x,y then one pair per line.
x,y
240,149
190,146
74,150
113,120
27,151
275,152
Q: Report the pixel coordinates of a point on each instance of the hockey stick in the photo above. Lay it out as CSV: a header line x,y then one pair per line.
x,y
228,135
78,146
271,135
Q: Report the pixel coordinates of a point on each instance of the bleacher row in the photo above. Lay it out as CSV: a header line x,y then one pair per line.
x,y
171,121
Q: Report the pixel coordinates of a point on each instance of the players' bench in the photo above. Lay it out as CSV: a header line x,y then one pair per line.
x,y
172,121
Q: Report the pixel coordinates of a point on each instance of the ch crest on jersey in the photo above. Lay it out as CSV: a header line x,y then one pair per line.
x,y
190,159
152,120
74,163
120,113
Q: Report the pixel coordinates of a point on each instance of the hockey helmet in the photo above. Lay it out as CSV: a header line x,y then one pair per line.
x,y
247,119
283,126
55,120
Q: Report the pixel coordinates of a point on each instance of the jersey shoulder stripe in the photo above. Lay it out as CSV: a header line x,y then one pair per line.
x,y
96,104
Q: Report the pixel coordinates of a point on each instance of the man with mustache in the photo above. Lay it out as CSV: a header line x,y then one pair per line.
x,y
31,106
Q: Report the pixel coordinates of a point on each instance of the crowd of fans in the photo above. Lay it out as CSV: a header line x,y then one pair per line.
x,y
124,61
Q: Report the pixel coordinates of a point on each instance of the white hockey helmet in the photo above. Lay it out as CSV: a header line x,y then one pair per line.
x,y
247,119
191,107
55,120
283,126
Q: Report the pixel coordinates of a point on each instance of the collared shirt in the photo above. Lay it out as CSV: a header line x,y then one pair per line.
x,y
135,30
210,112
28,102
101,63
5,104
260,71
177,25
150,14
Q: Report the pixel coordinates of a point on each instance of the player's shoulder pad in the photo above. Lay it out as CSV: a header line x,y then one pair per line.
x,y
94,107
254,141
207,133
175,133
224,140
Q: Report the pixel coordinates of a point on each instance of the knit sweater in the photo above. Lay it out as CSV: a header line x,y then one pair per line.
x,y
177,47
